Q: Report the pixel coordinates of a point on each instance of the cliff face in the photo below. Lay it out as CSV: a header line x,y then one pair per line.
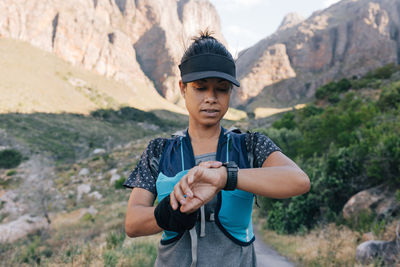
x,y
347,39
126,40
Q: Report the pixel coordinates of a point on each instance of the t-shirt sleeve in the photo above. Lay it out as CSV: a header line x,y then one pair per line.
x,y
145,173
261,147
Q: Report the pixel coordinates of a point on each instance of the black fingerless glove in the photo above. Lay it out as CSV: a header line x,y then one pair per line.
x,y
174,220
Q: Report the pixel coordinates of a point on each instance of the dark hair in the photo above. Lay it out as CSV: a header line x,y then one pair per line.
x,y
205,43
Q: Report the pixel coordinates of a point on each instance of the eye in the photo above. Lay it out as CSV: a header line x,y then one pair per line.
x,y
223,89
200,88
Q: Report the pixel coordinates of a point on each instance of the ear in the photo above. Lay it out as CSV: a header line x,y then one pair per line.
x,y
182,87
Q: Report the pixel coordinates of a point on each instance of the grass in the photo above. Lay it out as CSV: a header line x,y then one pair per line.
x,y
68,137
325,245
78,236
33,80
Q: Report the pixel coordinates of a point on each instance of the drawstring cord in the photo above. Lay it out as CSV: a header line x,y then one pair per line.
x,y
192,232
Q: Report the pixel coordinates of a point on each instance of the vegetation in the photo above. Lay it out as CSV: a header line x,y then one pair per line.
x,y
69,137
347,141
10,158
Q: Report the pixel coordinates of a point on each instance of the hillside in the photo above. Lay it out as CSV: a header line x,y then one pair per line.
x,y
32,80
347,39
134,42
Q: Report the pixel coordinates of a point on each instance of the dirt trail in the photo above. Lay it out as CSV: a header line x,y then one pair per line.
x,y
267,257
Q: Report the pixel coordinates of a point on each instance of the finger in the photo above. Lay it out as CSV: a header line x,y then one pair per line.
x,y
191,206
216,164
179,195
172,201
192,175
211,164
185,187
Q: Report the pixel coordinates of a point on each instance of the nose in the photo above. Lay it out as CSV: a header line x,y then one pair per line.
x,y
210,96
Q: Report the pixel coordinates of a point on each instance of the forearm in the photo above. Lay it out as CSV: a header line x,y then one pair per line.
x,y
274,182
140,221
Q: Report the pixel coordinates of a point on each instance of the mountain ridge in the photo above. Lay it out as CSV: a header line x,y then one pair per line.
x,y
347,39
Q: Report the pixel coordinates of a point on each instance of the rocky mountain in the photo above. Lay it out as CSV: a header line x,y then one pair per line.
x,y
131,41
345,40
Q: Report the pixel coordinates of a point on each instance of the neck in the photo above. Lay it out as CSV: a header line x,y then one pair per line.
x,y
200,132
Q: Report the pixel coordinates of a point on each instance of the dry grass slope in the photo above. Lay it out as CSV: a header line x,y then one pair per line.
x,y
33,80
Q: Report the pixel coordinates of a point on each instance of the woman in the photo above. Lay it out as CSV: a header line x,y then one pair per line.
x,y
206,177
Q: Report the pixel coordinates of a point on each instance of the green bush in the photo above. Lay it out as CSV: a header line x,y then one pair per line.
x,y
287,121
10,158
11,172
384,72
287,140
119,184
87,217
333,88
126,114
344,148
334,98
309,111
390,97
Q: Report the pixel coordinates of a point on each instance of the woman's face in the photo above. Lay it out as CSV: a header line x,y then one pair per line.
x,y
207,100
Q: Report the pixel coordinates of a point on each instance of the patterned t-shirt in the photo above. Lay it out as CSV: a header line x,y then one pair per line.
x,y
145,174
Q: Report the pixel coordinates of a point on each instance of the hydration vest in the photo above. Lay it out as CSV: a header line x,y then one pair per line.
x,y
234,208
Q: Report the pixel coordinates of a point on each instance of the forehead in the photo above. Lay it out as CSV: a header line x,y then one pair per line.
x,y
211,80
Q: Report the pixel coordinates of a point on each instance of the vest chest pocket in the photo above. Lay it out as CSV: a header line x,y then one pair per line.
x,y
165,184
236,209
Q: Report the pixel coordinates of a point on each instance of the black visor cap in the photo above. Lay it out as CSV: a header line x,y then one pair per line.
x,y
208,66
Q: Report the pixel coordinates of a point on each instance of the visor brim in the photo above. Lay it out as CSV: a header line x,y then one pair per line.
x,y
190,77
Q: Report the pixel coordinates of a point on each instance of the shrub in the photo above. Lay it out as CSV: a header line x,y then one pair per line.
x,y
333,88
344,148
309,110
390,97
10,158
119,184
384,72
11,172
321,92
334,98
287,140
287,121
87,217
343,85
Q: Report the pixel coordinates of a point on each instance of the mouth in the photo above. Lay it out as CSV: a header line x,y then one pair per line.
x,y
210,112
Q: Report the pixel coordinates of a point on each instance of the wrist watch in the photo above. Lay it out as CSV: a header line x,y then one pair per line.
x,y
232,174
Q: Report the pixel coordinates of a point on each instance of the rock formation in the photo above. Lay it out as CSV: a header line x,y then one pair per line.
x,y
290,20
380,200
348,39
385,253
126,40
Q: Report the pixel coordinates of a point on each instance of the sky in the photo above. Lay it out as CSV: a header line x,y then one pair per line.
x,y
245,22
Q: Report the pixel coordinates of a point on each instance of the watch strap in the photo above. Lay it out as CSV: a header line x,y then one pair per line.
x,y
232,173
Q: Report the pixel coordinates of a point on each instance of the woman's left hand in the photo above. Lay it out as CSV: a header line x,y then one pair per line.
x,y
198,186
